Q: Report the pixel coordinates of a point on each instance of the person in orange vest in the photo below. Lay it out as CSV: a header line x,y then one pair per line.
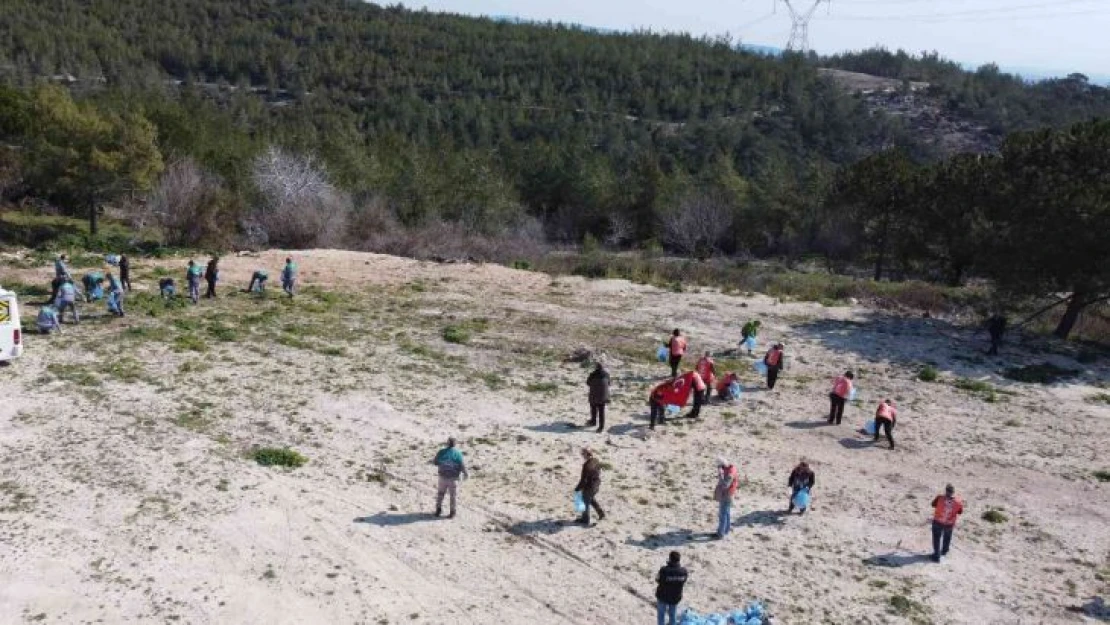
x,y
885,417
707,369
698,394
773,360
728,480
946,508
677,347
841,390
724,385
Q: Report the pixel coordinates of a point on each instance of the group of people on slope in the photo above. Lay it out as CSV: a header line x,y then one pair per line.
x,y
64,293
211,275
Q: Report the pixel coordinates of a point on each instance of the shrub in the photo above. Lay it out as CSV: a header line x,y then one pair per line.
x,y
456,334
928,373
542,387
1102,475
272,456
995,516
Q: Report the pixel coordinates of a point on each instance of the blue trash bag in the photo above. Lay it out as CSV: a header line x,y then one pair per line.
x,y
869,427
672,409
691,617
113,302
760,367
663,353
96,293
734,390
112,259
749,342
800,501
579,502
852,394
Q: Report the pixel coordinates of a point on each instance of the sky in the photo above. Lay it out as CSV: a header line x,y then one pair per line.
x,y
1049,37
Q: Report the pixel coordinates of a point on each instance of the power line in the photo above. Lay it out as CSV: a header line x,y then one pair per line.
x,y
940,17
1003,10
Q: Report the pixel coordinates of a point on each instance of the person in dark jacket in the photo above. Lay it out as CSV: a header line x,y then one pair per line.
x,y
125,272
774,361
588,485
668,593
598,382
211,276
801,477
996,327
655,404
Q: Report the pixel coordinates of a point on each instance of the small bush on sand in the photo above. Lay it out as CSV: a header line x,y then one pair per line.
x,y
1044,373
456,334
1102,475
274,457
928,374
995,516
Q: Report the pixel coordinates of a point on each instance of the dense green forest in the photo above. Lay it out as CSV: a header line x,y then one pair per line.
x,y
338,122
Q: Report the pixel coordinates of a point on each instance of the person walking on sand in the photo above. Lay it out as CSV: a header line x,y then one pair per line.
x,y
668,592
946,508
450,465
885,416
125,272
61,273
728,480
589,484
677,347
707,369
211,276
773,360
115,295
841,391
192,278
699,393
598,383
801,477
289,276
749,331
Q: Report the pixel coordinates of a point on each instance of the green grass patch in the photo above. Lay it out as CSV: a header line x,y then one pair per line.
x,y
1044,373
275,457
292,341
928,373
904,606
542,387
1098,398
1102,475
189,343
74,374
124,369
494,381
154,334
456,334
995,515
222,333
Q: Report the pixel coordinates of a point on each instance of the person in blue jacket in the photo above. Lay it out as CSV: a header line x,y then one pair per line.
x,y
450,466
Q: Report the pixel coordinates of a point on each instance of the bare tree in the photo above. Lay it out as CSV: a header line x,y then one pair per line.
x,y
300,208
697,226
620,231
189,205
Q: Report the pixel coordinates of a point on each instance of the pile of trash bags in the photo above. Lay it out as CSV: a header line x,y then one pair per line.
x,y
753,614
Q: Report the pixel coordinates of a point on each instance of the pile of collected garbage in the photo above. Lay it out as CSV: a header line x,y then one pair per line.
x,y
753,614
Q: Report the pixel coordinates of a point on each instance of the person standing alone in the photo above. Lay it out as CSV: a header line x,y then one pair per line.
x,y
728,480
677,348
450,465
211,276
192,278
668,593
773,360
589,484
946,508
598,383
125,272
841,391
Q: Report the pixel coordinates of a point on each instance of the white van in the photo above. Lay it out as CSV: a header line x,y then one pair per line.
x,y
11,332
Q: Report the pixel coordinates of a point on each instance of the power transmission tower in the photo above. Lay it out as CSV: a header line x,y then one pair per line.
x,y
799,22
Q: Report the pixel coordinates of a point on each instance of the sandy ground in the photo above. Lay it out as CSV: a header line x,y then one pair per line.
x,y
127,495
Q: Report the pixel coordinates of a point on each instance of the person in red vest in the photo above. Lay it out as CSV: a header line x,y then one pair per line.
x,y
728,480
657,405
707,369
725,383
677,346
885,416
773,360
946,509
699,393
841,391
